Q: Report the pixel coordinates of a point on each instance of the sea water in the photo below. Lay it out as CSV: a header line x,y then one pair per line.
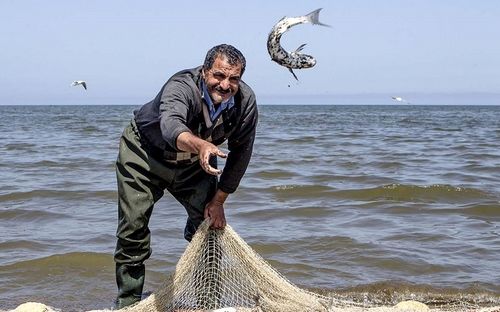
x,y
378,203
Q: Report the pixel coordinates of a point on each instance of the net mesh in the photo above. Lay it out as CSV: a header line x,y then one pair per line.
x,y
219,270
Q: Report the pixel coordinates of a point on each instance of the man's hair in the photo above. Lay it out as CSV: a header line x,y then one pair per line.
x,y
233,56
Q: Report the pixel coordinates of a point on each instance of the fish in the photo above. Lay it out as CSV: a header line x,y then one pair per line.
x,y
79,82
295,59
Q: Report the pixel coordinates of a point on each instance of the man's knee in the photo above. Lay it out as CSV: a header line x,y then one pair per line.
x,y
132,249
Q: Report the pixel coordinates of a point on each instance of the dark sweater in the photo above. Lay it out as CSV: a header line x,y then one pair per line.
x,y
178,107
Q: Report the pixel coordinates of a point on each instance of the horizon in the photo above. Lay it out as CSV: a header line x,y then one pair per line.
x,y
422,99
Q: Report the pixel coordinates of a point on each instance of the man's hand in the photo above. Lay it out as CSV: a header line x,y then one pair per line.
x,y
207,150
188,142
215,210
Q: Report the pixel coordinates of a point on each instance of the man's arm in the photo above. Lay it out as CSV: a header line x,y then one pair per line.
x,y
214,210
188,142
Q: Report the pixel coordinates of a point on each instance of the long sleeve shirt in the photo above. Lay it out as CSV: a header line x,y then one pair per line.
x,y
180,107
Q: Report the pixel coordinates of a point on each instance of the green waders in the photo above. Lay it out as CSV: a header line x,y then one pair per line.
x,y
141,183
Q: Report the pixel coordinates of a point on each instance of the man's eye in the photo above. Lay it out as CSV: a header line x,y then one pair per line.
x,y
219,76
234,79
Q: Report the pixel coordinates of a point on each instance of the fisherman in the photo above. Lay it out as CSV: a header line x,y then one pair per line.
x,y
171,144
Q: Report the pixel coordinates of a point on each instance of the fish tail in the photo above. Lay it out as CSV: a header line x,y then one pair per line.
x,y
313,18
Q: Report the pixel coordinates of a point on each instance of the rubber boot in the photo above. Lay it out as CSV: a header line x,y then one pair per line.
x,y
130,281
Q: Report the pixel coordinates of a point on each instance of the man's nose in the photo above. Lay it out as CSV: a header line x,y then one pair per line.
x,y
224,84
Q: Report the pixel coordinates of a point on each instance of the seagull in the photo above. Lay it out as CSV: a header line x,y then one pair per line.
x,y
400,99
80,82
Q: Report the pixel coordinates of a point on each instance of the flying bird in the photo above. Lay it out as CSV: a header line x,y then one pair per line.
x,y
399,99
295,59
80,82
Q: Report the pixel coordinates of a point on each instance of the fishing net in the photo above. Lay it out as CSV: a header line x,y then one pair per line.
x,y
219,270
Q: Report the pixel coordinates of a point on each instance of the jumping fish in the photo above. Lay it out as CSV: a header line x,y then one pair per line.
x,y
295,59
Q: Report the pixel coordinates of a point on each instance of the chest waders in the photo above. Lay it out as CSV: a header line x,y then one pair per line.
x,y
142,180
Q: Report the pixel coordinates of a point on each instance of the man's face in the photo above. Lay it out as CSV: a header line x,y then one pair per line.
x,y
222,80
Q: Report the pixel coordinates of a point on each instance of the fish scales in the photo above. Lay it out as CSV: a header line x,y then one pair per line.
x,y
295,59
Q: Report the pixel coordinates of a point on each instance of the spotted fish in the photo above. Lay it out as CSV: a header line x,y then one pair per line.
x,y
295,59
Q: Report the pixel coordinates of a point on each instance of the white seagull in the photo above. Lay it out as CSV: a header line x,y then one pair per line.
x,y
399,99
80,82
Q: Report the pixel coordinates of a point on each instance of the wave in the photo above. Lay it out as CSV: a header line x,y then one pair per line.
x,y
435,193
274,174
28,215
392,292
62,263
303,191
20,147
22,244
47,193
76,281
414,193
487,210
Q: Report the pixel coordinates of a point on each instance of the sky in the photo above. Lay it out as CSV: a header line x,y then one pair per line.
x,y
422,50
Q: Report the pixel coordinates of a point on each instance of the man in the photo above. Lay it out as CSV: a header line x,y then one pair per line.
x,y
171,144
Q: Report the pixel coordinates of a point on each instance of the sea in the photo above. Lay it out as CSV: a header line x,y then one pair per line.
x,y
376,203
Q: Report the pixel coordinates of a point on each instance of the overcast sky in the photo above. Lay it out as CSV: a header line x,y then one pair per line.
x,y
126,50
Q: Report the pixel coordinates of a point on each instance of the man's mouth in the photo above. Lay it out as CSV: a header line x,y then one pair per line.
x,y
221,91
